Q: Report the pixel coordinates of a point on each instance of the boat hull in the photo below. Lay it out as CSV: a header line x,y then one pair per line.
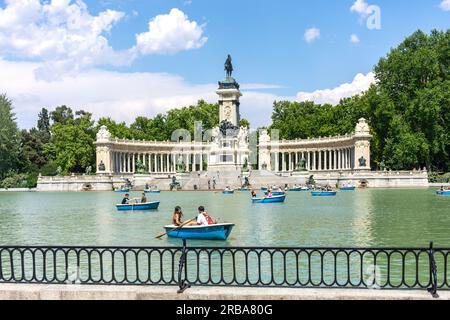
x,y
138,206
324,193
299,189
276,199
122,191
264,189
228,192
347,188
443,193
211,232
152,191
277,193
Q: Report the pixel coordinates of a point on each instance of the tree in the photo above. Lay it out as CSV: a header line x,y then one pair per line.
x,y
72,144
62,115
9,138
43,125
32,151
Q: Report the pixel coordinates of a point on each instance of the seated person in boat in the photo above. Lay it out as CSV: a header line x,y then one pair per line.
x,y
177,215
143,198
269,193
203,218
253,194
126,199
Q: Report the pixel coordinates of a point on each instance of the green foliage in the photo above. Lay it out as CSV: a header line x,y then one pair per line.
x,y
15,181
408,109
435,177
72,144
9,138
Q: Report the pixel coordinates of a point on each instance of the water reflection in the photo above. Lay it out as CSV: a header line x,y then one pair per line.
x,y
361,218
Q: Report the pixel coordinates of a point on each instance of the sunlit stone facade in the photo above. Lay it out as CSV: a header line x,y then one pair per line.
x,y
230,153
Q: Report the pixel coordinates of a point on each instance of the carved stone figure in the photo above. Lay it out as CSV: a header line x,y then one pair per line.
x,y
229,66
362,127
301,166
140,168
101,167
362,162
227,129
103,134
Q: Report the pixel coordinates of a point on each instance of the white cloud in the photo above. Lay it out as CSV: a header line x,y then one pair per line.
x,y
359,84
369,13
124,96
312,34
354,38
171,33
68,39
361,7
61,33
445,5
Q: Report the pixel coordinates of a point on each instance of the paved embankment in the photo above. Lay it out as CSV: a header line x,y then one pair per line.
x,y
87,292
18,190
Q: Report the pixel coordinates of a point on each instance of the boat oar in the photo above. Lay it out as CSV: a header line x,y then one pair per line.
x,y
175,229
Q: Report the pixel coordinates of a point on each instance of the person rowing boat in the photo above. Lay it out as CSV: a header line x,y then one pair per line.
x,y
126,199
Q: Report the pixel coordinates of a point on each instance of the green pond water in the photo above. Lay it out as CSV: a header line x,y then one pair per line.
x,y
364,218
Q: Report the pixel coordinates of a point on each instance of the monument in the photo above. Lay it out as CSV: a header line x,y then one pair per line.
x,y
230,147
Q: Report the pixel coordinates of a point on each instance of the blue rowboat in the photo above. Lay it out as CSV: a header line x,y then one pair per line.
x,y
347,188
212,232
138,206
152,191
298,189
324,193
264,189
269,200
245,189
277,193
443,193
228,192
122,190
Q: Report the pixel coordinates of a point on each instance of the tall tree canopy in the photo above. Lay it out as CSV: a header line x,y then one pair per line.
x,y
9,138
408,108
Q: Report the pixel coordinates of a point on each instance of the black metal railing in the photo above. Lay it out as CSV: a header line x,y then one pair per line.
x,y
379,268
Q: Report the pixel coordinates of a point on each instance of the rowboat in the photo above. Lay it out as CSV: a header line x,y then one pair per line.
x,y
228,192
122,190
351,188
219,231
443,193
244,189
264,189
299,189
152,191
324,193
269,200
277,193
138,206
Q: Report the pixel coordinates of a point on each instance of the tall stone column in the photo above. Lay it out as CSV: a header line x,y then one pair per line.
x,y
104,145
362,139
320,160
314,161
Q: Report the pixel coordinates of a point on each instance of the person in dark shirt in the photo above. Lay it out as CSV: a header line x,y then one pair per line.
x,y
126,199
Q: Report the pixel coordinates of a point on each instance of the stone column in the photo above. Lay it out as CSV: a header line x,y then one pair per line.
x,y
314,161
283,161
320,160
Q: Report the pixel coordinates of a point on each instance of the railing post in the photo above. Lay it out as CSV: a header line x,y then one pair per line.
x,y
182,283
433,272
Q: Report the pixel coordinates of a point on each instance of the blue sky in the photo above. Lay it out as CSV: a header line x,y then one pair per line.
x,y
265,38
